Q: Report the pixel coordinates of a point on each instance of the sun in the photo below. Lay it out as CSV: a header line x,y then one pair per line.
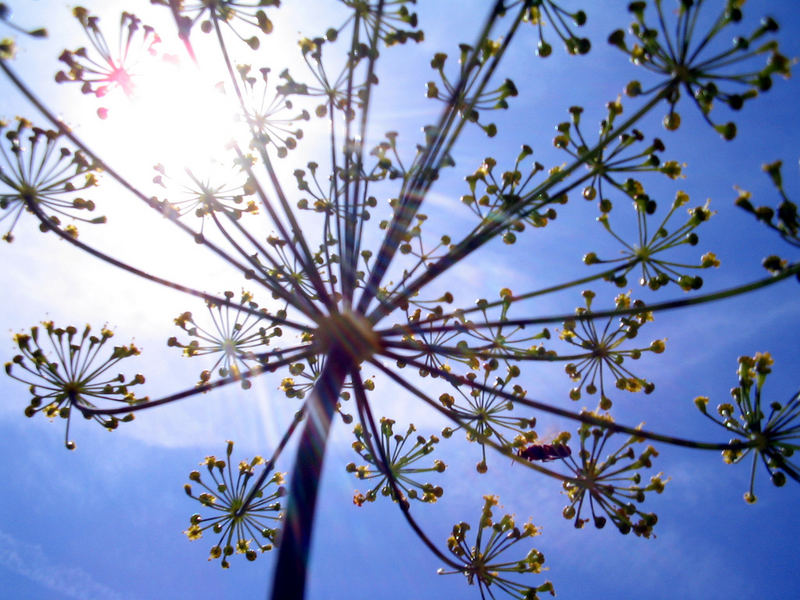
x,y
201,120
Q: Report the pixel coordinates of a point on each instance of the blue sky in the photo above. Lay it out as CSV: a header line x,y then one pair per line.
x,y
106,520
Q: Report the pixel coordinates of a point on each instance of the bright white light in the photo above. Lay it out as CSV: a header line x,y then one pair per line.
x,y
190,117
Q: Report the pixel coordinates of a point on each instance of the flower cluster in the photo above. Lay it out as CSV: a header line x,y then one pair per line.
x,y
480,561
497,339
493,197
331,88
102,71
429,347
78,379
392,21
304,375
601,356
414,245
612,487
783,220
613,155
470,98
209,13
320,199
263,111
689,62
485,411
39,174
400,457
770,437
238,527
204,198
235,336
540,13
652,242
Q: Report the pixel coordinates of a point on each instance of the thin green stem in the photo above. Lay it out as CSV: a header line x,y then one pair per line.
x,y
581,417
368,422
67,132
466,246
34,208
589,316
304,254
198,389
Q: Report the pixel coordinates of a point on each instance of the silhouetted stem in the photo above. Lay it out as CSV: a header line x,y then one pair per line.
x,y
304,255
347,268
377,451
46,221
289,580
486,352
581,417
198,389
433,318
471,243
592,315
432,159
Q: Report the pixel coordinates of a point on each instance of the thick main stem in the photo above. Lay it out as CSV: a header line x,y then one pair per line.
x,y
289,580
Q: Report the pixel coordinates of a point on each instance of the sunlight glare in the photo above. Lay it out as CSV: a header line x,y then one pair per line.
x,y
200,118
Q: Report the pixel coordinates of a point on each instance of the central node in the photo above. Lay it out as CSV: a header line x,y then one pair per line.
x,y
350,333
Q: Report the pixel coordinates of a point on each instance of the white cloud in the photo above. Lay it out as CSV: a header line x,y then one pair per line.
x,y
30,561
